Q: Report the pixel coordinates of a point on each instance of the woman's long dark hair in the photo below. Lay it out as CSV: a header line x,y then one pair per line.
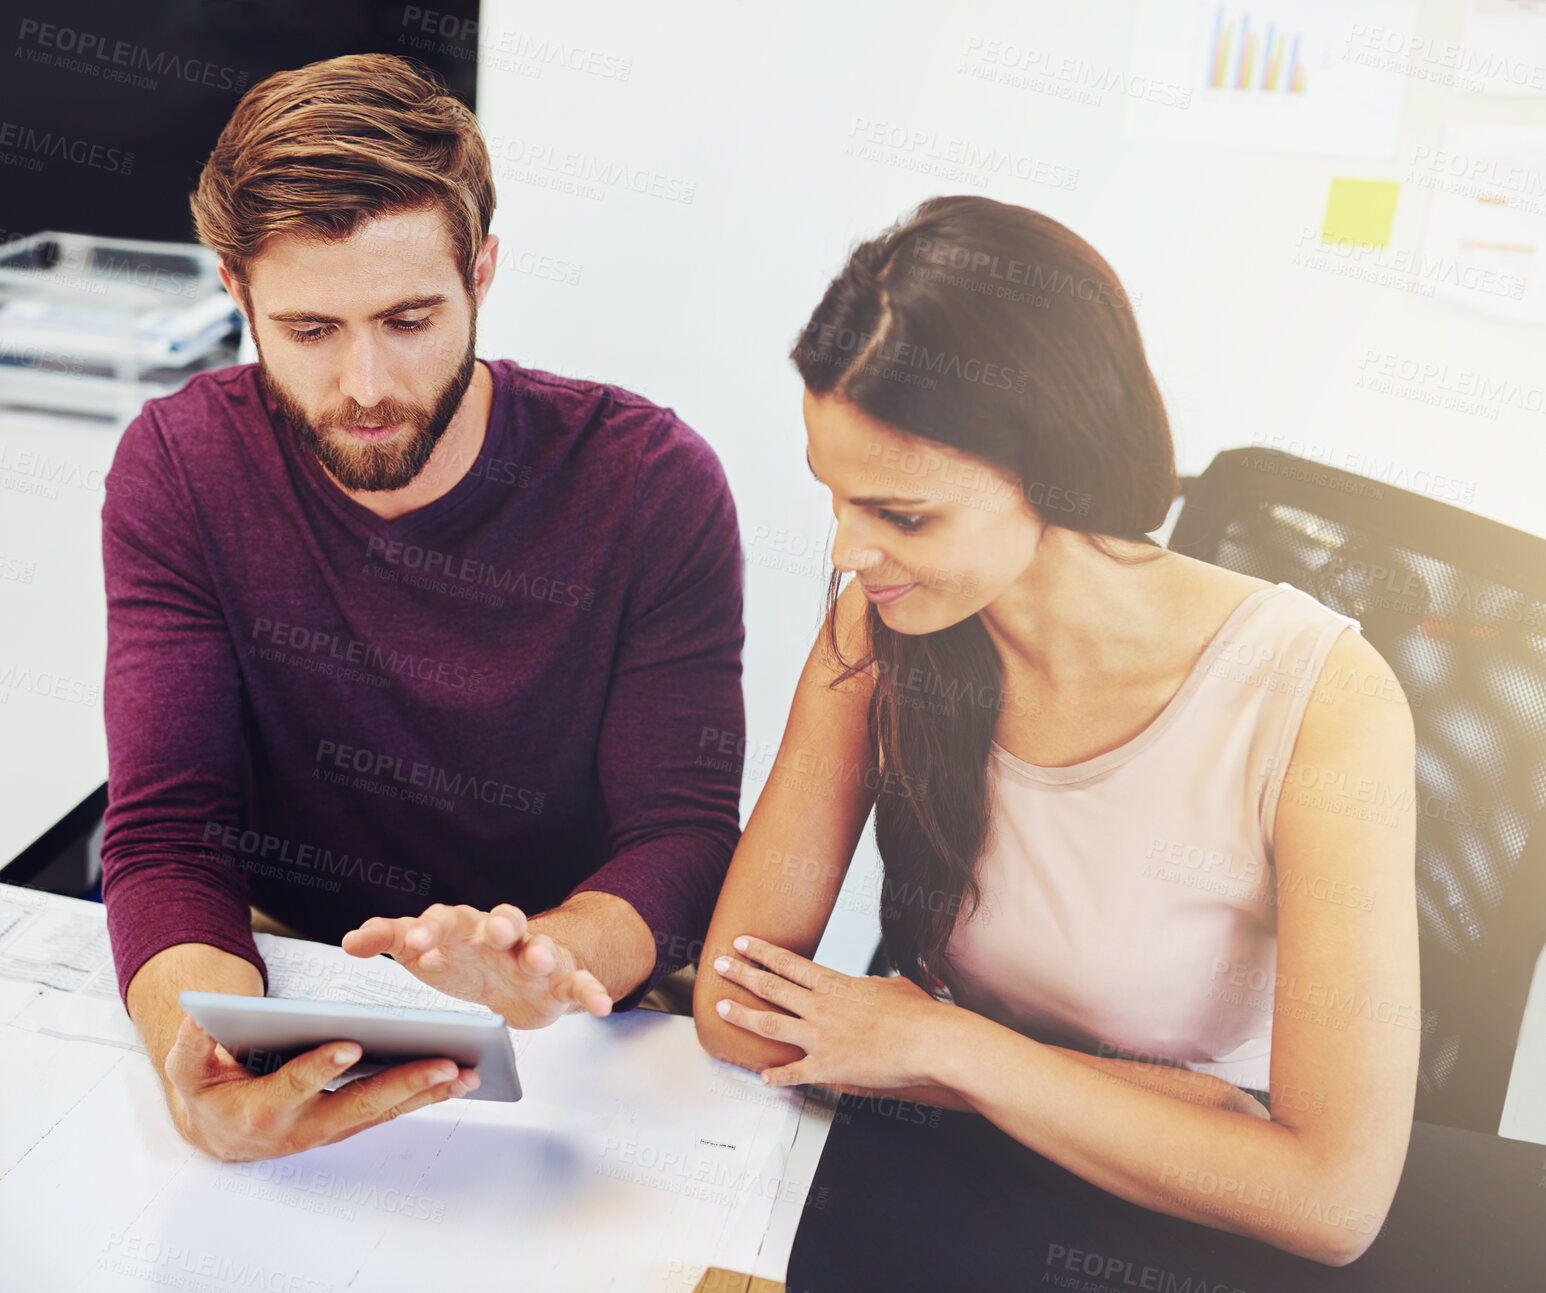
x,y
999,332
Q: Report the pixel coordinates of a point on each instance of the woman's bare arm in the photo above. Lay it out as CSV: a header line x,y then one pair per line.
x,y
788,869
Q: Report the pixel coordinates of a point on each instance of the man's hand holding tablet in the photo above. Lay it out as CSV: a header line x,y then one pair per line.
x,y
494,958
223,1109
498,959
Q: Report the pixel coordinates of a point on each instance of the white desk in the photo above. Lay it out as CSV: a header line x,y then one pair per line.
x,y
633,1162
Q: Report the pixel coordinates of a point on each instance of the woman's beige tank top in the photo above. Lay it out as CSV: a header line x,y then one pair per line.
x,y
1129,900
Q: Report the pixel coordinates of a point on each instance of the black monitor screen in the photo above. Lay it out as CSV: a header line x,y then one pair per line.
x,y
108,109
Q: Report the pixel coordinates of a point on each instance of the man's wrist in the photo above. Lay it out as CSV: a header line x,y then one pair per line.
x,y
603,934
177,1107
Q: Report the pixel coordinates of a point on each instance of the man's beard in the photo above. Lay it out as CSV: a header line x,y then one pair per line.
x,y
375,467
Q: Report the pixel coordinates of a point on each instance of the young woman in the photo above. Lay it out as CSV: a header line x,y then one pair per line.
x,y
1147,824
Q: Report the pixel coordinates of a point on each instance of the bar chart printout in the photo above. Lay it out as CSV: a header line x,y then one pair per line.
x,y
1292,76
1243,57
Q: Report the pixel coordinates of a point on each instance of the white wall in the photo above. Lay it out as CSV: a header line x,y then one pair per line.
x,y
695,303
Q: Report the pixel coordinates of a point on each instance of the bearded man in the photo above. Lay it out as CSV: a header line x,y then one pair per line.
x,y
406,649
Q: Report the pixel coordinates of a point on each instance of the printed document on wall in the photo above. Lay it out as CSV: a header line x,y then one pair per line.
x,y
1487,225
1299,76
1504,50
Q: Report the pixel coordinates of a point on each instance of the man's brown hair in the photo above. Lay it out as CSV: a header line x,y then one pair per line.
x,y
320,149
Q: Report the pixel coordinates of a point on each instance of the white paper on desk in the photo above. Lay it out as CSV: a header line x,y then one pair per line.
x,y
626,1167
58,948
17,905
45,939
633,1162
303,971
17,908
61,946
773,1186
93,1012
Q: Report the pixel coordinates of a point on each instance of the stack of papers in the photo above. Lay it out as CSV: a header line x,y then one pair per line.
x,y
633,1162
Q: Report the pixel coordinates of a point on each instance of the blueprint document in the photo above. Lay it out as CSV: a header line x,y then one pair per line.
x,y
633,1162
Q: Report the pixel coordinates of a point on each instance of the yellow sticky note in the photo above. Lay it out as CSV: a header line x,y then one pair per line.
x,y
1360,211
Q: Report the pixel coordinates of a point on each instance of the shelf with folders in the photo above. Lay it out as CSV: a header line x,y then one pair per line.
x,y
96,326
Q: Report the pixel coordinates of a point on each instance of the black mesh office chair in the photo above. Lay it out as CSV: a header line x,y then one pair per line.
x,y
1457,605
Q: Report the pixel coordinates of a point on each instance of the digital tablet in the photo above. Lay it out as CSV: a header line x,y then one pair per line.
x,y
263,1033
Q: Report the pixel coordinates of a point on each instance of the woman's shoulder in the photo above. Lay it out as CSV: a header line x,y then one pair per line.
x,y
1204,597
1210,583
1296,620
